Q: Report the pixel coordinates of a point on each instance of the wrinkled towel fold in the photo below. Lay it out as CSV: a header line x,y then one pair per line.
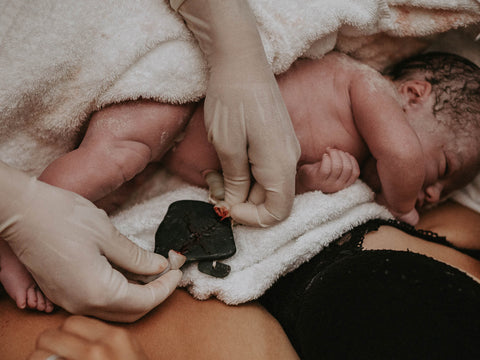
x,y
263,255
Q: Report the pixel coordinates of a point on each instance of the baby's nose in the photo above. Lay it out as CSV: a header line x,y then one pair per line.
x,y
433,193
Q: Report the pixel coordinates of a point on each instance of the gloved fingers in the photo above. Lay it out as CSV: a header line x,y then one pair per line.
x,y
176,260
257,194
253,215
215,185
276,207
236,180
125,254
133,300
246,214
226,131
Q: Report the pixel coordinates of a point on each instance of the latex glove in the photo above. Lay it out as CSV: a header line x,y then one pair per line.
x,y
66,243
82,338
245,116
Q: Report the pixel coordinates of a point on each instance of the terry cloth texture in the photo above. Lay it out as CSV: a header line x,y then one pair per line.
x,y
263,255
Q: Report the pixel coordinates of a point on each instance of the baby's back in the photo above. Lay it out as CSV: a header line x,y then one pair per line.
x,y
317,95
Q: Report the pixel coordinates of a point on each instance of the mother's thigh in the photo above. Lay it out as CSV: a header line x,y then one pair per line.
x,y
180,328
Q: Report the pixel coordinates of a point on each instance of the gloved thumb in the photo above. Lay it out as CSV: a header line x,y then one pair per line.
x,y
129,256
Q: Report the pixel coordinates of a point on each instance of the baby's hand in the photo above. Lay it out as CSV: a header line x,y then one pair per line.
x,y
336,171
412,217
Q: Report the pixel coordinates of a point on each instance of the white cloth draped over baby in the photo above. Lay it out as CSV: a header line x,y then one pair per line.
x,y
60,60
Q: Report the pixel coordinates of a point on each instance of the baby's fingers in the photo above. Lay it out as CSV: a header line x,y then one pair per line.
x,y
350,169
332,165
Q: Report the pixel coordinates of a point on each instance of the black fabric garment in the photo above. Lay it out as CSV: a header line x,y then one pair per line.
x,y
349,303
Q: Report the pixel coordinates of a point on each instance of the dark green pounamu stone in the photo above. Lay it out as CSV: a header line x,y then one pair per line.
x,y
214,268
194,229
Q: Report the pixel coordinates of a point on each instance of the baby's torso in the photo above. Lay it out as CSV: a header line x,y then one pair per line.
x,y
316,93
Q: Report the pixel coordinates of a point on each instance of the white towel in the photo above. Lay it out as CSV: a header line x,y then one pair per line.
x,y
263,255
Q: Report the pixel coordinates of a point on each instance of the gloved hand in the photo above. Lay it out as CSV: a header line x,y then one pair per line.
x,y
66,243
410,217
245,117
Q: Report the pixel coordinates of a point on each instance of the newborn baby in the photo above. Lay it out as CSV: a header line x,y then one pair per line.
x,y
412,136
408,137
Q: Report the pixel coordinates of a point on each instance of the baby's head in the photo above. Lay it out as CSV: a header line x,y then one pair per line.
x,y
440,94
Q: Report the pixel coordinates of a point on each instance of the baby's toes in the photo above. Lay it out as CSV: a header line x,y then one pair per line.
x,y
32,297
21,300
48,306
41,306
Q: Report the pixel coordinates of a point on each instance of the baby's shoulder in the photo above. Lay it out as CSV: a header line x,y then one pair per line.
x,y
350,71
345,63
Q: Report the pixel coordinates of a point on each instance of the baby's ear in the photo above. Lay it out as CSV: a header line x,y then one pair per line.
x,y
416,91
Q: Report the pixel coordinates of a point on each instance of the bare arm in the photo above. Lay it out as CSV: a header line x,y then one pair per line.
x,y
391,141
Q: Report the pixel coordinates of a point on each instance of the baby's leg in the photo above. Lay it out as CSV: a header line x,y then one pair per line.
x,y
18,282
194,156
119,143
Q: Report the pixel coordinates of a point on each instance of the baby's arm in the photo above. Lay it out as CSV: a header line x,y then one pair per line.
x,y
391,141
336,171
119,143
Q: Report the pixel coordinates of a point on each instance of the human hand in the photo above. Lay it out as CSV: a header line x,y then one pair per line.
x,y
411,217
336,171
245,116
69,246
82,338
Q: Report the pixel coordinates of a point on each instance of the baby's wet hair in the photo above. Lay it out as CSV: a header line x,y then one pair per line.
x,y
455,83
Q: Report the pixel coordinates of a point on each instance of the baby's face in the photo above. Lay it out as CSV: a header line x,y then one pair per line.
x,y
445,171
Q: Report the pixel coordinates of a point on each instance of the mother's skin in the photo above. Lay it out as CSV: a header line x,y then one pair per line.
x,y
184,328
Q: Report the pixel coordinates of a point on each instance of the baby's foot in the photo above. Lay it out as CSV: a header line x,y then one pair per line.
x,y
36,300
21,287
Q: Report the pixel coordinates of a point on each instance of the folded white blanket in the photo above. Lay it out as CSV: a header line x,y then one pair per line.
x,y
263,255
